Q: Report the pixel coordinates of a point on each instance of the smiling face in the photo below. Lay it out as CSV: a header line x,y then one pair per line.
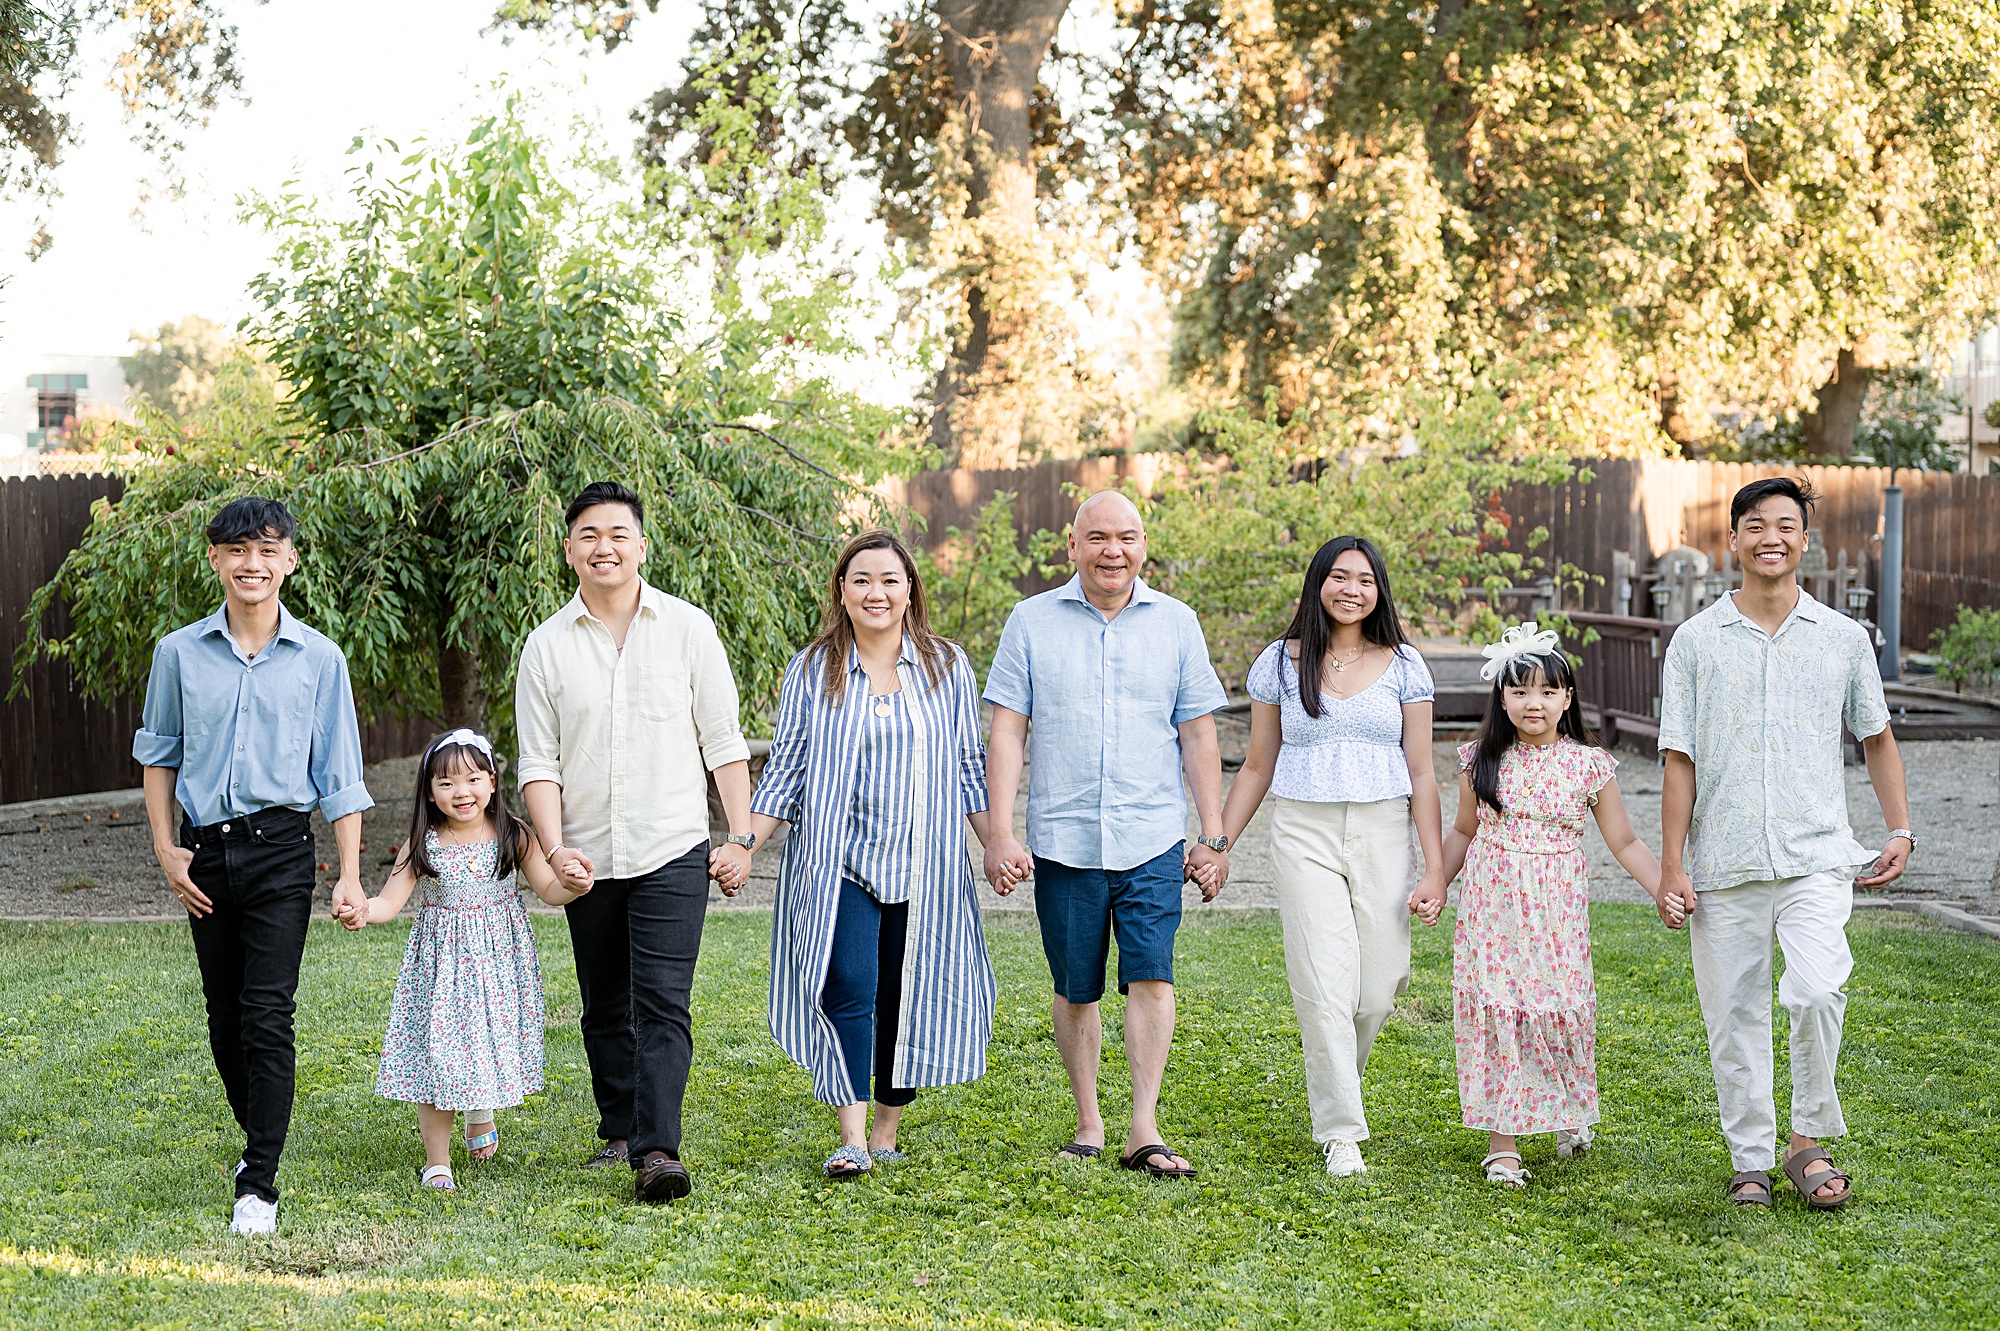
x,y
1535,706
1349,594
1770,539
1107,543
253,568
461,792
875,591
605,547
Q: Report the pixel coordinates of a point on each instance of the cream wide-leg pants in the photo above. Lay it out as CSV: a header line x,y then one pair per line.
x,y
1343,880
1732,929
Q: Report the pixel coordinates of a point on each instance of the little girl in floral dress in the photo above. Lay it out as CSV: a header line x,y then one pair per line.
x,y
465,1029
1524,1002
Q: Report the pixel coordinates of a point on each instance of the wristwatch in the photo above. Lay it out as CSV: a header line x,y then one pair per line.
x,y
748,840
1218,844
1904,833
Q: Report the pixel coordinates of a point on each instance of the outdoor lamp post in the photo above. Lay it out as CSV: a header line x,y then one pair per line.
x,y
1857,600
1716,585
1661,593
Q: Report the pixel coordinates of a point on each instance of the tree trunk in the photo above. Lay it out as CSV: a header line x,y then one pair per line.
x,y
1673,421
1829,428
461,695
994,50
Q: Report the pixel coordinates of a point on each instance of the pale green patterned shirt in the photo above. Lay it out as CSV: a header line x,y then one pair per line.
x,y
1761,717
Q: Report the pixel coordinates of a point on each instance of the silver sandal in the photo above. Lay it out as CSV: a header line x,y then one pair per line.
x,y
855,1158
437,1177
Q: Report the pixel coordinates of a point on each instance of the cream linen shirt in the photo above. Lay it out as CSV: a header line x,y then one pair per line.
x,y
629,736
1760,714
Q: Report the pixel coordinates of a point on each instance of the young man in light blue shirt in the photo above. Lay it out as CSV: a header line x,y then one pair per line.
x,y
248,726
1116,681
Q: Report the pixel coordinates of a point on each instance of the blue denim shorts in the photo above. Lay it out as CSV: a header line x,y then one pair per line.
x,y
1080,908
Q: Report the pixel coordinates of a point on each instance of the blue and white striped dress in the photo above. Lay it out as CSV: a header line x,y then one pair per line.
x,y
810,780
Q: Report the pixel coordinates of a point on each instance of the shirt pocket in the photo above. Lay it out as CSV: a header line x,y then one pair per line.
x,y
660,691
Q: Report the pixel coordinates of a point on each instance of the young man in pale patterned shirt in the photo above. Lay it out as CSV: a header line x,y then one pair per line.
x,y
1754,692
625,705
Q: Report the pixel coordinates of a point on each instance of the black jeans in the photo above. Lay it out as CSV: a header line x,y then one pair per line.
x,y
636,942
863,997
258,874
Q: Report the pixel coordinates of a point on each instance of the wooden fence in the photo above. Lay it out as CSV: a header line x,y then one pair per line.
x,y
53,741
1642,507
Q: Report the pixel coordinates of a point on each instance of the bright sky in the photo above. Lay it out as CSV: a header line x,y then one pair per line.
x,y
316,75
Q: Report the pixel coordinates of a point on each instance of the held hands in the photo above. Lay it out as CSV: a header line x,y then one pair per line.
x,y
578,874
350,904
1676,898
729,866
1889,866
1207,869
1007,863
1427,901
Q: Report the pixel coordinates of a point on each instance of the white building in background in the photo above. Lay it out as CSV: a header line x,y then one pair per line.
x,y
44,393
1975,377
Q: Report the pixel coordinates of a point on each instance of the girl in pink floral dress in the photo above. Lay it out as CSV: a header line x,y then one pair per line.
x,y
465,1028
1523,999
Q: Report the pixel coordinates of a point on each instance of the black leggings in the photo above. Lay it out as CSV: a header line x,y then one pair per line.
x,y
864,989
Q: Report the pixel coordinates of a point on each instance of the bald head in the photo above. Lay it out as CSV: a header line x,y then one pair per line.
x,y
1109,511
1107,543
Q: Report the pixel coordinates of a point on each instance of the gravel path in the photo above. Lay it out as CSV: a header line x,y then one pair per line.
x,y
92,858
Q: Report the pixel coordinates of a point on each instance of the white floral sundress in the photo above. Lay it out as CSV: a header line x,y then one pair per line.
x,y
1523,997
465,1029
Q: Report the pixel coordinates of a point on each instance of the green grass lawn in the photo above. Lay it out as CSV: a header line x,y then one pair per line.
x,y
115,1146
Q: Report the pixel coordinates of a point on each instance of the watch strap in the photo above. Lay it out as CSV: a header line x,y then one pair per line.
x,y
1904,833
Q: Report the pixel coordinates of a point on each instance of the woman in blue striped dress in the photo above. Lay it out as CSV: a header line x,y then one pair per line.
x,y
878,957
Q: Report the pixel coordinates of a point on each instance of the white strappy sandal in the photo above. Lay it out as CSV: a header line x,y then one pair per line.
x,y
438,1177
1516,1176
1573,1142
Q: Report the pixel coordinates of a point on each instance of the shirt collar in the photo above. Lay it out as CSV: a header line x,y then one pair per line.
x,y
906,656
1073,591
652,601
289,628
1808,608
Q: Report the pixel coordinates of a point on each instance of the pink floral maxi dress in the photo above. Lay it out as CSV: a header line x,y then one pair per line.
x,y
1524,1002
465,1027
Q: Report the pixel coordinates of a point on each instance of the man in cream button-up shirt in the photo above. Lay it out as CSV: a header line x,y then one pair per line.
x,y
624,704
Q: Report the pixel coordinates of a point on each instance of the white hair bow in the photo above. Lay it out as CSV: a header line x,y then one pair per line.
x,y
1521,640
470,738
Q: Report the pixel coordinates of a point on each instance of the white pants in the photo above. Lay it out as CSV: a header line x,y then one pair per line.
x,y
1343,879
1732,930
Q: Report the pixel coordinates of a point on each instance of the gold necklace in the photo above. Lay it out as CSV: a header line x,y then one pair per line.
x,y
1339,666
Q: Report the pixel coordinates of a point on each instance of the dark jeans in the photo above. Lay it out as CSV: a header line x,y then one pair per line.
x,y
864,989
258,873
636,942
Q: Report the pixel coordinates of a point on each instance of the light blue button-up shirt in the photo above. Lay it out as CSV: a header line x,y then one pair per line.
x,y
1104,699
252,735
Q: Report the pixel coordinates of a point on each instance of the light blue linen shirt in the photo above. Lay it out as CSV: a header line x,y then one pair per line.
x,y
253,735
1104,699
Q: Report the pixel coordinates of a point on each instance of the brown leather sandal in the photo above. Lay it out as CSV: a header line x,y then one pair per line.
x,y
1752,1187
1810,1184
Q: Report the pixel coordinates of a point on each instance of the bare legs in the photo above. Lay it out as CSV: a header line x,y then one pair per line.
x,y
854,1129
1149,1035
436,1125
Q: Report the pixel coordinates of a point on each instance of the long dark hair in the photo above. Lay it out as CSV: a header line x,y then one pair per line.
x,y
1312,627
510,832
836,630
1498,734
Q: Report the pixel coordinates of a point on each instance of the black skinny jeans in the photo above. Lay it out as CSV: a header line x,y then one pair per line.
x,y
258,874
636,942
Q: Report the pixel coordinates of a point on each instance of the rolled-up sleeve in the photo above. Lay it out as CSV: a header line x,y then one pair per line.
x,y
971,749
1677,698
158,742
1200,688
335,766
718,723
1009,682
537,730
1865,710
778,791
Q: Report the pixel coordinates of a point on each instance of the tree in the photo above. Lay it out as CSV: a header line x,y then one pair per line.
x,y
467,344
174,369
963,137
179,61
1632,217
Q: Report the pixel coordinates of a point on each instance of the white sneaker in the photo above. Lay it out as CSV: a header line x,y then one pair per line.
x,y
254,1215
237,1172
1344,1158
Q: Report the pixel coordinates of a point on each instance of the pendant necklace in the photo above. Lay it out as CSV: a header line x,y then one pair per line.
x,y
882,706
